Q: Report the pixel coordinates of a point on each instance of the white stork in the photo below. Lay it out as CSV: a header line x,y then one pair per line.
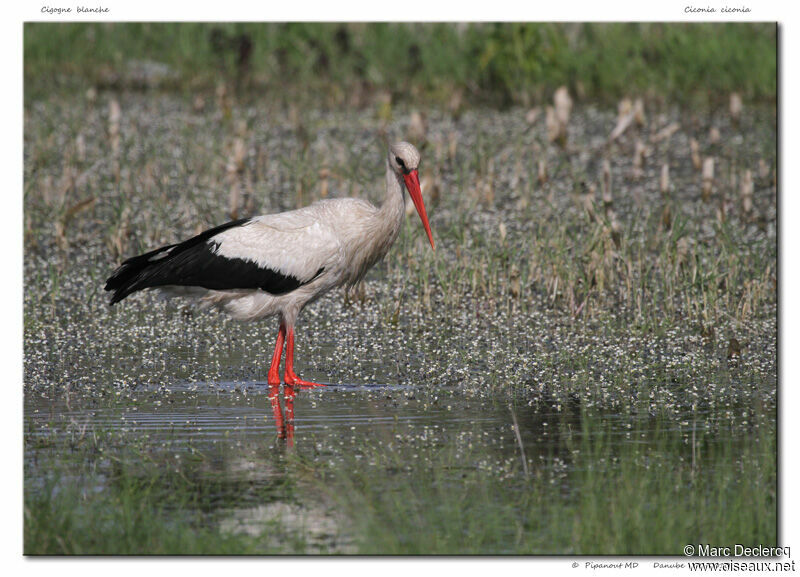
x,y
276,264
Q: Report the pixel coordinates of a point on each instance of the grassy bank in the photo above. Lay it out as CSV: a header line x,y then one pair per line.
x,y
351,63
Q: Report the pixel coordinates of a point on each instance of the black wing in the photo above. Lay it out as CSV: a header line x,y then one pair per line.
x,y
195,262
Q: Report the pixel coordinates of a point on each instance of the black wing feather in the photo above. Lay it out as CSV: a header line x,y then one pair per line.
x,y
195,263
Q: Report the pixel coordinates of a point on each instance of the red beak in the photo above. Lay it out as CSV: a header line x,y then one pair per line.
x,y
412,184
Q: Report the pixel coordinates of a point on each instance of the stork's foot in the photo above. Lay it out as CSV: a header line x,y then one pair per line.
x,y
293,380
273,379
289,377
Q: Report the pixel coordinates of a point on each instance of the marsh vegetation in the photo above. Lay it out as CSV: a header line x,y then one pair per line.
x,y
587,363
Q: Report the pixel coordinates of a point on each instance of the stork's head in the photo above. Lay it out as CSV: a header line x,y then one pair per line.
x,y
404,160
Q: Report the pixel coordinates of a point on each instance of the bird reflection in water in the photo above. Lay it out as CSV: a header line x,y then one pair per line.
x,y
284,418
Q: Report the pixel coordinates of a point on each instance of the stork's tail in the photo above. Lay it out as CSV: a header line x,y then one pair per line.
x,y
133,274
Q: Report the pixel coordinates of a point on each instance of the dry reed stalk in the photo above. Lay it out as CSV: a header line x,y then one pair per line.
x,y
66,184
431,187
542,171
233,199
624,108
587,202
694,146
114,118
456,102
606,190
452,145
557,117
62,222
488,184
625,117
708,177
616,228
638,158
80,148
324,174
241,129
563,105
149,178
621,127
666,132
73,210
722,210
666,216
513,282
638,112
666,213
426,297
682,251
239,154
119,242
664,182
746,189
47,190
61,235
551,124
417,129
735,107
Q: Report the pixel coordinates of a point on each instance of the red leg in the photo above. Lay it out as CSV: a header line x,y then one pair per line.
x,y
275,402
274,377
289,377
288,399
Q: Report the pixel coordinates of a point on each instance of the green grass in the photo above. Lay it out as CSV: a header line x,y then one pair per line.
x,y
496,62
594,497
125,520
140,506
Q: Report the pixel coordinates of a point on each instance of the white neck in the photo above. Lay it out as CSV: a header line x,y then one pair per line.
x,y
394,206
383,228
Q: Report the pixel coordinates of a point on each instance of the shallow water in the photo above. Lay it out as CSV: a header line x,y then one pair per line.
x,y
234,440
225,417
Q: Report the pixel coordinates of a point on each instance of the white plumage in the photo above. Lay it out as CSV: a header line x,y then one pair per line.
x,y
278,263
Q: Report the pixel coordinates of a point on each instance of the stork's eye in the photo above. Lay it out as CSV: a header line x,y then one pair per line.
x,y
400,161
